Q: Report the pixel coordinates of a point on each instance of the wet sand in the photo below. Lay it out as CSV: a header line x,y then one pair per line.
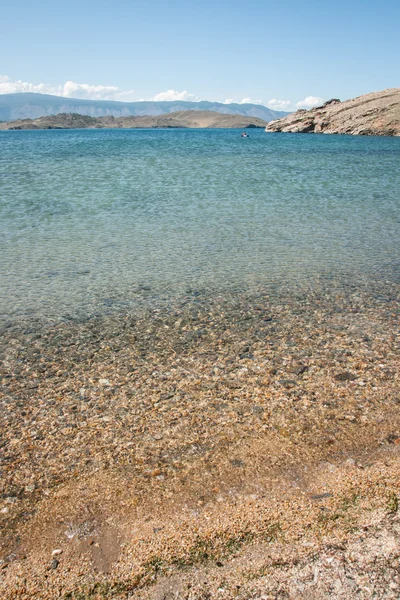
x,y
230,447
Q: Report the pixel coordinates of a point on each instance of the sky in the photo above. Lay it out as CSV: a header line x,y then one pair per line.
x,y
286,54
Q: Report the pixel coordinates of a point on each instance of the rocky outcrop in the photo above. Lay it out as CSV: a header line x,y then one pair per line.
x,y
372,114
184,119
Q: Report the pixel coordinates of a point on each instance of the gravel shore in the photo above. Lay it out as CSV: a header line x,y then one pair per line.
x,y
242,446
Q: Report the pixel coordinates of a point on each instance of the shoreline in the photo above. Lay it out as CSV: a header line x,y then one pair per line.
x,y
148,446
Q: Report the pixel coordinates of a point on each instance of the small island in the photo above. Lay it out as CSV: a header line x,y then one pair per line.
x,y
189,119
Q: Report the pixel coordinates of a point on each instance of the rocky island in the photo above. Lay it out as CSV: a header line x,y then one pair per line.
x,y
197,119
372,114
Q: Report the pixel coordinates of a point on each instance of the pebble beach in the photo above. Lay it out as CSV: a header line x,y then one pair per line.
x,y
199,365
229,446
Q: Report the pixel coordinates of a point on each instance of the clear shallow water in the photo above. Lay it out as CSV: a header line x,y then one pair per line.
x,y
93,221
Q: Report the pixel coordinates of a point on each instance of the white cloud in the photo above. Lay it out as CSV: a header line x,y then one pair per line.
x,y
69,89
242,101
309,102
10,87
174,95
275,104
287,105
250,101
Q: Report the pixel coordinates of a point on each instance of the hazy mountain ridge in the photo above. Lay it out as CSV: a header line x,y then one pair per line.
x,y
33,105
181,119
377,113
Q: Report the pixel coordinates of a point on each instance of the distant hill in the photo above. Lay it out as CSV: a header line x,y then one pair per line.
x,y
32,106
188,118
372,114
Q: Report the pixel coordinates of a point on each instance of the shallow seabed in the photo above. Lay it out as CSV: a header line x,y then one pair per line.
x,y
196,446
206,406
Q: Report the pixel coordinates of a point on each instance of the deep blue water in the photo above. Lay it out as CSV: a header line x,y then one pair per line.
x,y
96,219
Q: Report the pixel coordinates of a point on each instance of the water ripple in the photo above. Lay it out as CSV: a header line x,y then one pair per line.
x,y
89,219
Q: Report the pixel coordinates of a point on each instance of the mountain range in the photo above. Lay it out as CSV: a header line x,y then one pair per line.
x,y
33,105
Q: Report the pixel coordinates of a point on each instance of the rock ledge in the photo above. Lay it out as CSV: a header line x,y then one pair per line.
x,y
372,114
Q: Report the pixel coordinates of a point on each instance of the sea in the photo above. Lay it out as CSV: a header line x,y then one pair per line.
x,y
97,222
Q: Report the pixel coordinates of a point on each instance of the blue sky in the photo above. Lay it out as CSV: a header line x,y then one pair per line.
x,y
279,53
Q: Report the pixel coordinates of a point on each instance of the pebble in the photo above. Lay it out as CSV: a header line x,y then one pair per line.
x,y
287,382
322,496
345,376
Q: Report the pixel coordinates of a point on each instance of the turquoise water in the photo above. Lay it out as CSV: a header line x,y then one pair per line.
x,y
93,221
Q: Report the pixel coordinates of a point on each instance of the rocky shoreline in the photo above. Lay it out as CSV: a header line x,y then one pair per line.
x,y
217,447
372,114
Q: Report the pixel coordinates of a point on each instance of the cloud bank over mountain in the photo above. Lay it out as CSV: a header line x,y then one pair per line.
x,y
70,89
86,91
171,95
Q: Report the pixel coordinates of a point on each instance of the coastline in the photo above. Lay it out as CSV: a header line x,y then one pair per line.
x,y
151,447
